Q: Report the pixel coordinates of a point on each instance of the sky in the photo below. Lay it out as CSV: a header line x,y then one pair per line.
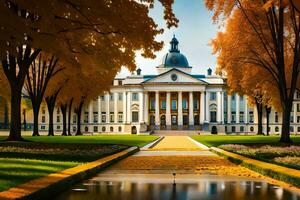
x,y
194,32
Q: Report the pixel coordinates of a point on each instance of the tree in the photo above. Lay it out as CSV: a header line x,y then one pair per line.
x,y
37,79
101,35
266,35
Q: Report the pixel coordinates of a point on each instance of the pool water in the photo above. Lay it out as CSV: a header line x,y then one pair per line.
x,y
156,187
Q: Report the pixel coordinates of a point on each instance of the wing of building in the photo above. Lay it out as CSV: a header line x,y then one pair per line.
x,y
171,99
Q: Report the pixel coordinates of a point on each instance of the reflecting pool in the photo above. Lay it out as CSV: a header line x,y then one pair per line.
x,y
156,186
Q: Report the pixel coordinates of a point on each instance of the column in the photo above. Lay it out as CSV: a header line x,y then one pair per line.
x,y
157,120
222,107
128,118
202,107
99,110
237,103
207,107
91,112
179,113
228,109
168,109
146,105
295,115
116,107
191,109
246,110
141,107
219,110
107,107
124,107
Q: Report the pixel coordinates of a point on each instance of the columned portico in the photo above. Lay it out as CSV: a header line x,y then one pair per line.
x,y
202,107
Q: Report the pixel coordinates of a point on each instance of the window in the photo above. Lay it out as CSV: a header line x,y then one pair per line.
x,y
95,128
276,129
298,95
174,104
298,107
95,118
120,129
119,82
86,117
111,97
57,127
102,98
232,117
298,129
111,117
213,96
58,119
241,117
233,129
43,119
184,104
103,118
58,111
251,117
251,128
135,116
298,119
213,116
135,96
152,104
241,129
163,104
43,111
120,96
103,129
276,117
111,129
291,128
120,118
43,127
292,119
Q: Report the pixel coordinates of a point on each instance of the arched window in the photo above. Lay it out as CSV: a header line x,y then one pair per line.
x,y
276,129
111,129
241,129
103,129
120,129
251,129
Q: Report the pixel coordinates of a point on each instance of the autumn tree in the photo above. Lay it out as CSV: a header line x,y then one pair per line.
x,y
79,33
266,35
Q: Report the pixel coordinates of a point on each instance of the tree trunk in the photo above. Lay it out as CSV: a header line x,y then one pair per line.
x,y
268,111
286,117
35,121
259,107
15,116
70,115
50,100
78,112
24,119
63,108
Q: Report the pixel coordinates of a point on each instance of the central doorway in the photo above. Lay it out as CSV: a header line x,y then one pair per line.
x,y
174,119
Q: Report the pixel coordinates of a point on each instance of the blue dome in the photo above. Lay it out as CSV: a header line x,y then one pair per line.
x,y
174,58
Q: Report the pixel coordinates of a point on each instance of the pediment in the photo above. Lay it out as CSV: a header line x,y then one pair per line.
x,y
174,76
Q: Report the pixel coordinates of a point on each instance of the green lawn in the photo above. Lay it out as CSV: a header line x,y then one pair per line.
x,y
129,140
24,161
216,140
17,171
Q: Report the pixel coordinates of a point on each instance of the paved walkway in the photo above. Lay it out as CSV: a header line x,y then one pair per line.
x,y
176,143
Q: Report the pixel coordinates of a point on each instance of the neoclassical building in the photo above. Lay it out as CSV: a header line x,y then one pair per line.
x,y
171,99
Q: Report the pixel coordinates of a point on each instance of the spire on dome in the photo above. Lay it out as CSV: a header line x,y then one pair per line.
x,y
174,45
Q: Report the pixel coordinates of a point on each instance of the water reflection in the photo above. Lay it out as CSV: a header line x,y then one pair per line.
x,y
203,189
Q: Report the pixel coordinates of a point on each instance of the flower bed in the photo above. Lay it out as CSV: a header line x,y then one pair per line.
x,y
58,152
288,156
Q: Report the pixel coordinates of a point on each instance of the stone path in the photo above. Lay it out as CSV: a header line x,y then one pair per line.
x,y
182,155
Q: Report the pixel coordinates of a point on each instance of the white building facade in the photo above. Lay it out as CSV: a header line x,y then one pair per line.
x,y
173,99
